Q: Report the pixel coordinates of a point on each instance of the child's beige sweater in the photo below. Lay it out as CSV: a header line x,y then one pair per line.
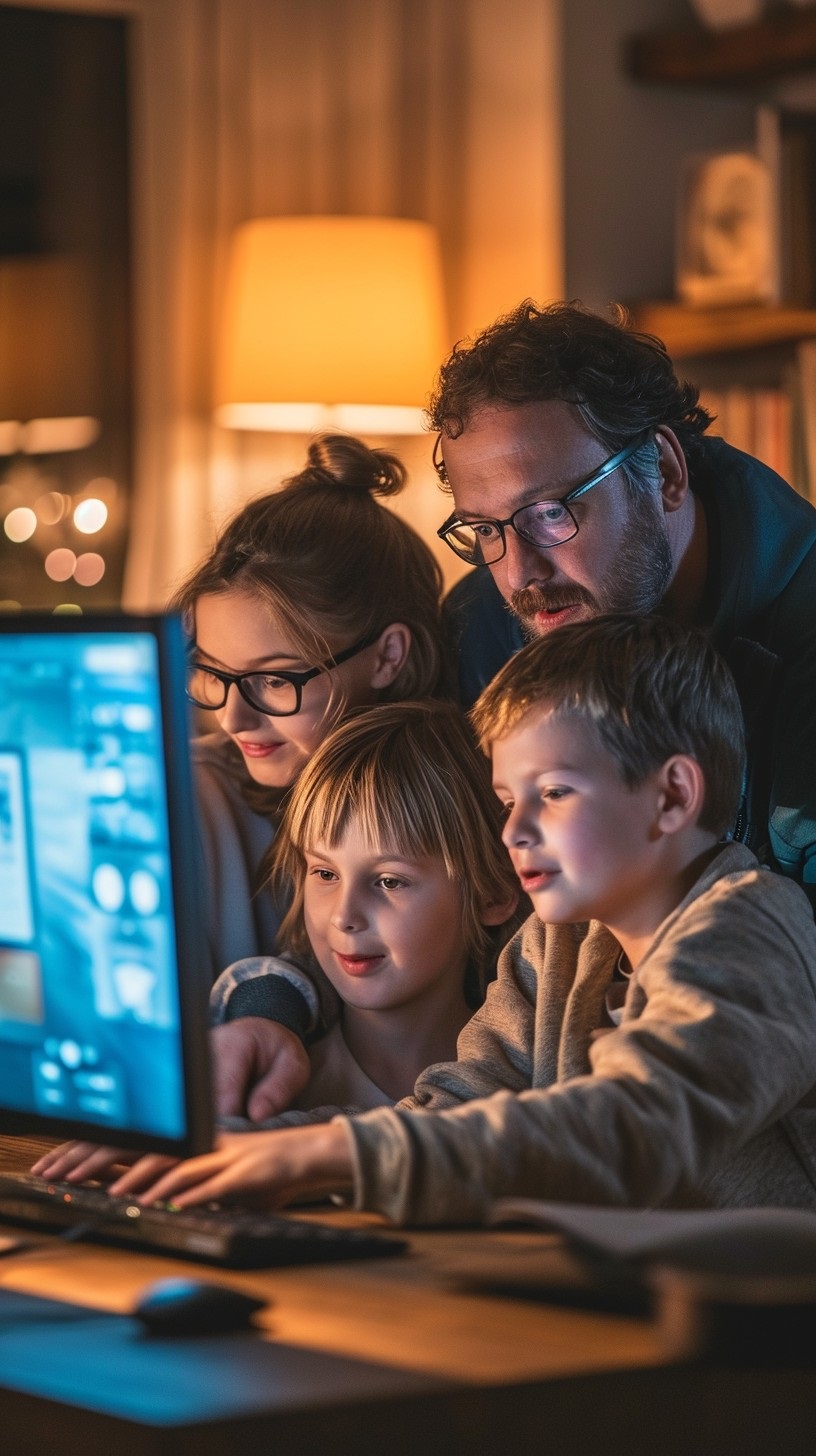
x,y
696,1098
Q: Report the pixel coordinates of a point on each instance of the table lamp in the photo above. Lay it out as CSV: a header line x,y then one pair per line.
x,y
330,322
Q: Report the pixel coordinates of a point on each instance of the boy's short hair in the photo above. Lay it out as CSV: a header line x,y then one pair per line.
x,y
411,776
649,687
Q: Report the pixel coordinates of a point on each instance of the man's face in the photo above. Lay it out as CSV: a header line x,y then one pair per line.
x,y
620,559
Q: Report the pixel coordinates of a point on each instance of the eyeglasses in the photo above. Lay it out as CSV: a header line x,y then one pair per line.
x,y
277,693
542,523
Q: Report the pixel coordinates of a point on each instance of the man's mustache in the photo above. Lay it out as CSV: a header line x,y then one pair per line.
x,y
531,600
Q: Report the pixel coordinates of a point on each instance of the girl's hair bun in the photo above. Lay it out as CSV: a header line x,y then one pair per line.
x,y
344,461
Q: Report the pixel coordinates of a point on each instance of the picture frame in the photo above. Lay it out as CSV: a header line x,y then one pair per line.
x,y
727,233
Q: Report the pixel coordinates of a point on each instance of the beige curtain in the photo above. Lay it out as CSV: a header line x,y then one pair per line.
x,y
446,110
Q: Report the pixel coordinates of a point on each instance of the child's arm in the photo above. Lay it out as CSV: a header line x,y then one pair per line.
x,y
267,985
682,1103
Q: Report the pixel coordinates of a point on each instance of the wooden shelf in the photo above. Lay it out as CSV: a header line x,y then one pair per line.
x,y
780,43
689,332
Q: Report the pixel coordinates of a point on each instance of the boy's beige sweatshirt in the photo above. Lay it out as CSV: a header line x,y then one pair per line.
x,y
699,1098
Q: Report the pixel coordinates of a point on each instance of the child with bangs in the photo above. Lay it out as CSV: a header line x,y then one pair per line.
x,y
401,894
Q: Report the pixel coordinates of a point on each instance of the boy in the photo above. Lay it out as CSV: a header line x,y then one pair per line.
x,y
651,1037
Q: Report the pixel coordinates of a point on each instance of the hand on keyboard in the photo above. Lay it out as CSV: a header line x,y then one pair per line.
x,y
78,1162
266,1168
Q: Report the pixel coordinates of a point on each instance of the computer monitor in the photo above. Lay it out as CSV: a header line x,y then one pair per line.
x,y
103,995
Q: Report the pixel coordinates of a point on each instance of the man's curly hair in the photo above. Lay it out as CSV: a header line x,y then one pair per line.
x,y
622,382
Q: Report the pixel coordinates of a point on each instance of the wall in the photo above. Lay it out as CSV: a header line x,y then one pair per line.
x,y
623,145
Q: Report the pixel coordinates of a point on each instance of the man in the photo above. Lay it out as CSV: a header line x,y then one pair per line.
x,y
583,481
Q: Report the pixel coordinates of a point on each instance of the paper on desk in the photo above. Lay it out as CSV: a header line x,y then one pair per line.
x,y
762,1241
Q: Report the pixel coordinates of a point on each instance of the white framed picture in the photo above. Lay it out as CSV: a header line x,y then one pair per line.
x,y
727,248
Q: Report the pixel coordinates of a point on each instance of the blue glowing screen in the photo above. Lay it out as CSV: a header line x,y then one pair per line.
x,y
89,1006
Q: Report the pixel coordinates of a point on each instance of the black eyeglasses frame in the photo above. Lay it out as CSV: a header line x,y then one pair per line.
x,y
297,679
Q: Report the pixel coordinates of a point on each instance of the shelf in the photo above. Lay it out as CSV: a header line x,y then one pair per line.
x,y
782,42
689,332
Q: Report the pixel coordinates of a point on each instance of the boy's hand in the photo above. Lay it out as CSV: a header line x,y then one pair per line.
x,y
259,1067
268,1168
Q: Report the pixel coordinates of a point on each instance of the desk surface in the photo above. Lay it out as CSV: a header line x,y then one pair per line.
x,y
397,1355
406,1311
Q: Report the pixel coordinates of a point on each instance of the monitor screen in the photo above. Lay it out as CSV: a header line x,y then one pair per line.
x,y
103,996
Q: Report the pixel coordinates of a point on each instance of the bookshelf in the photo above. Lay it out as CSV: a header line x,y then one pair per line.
x,y
781,43
692,332
755,366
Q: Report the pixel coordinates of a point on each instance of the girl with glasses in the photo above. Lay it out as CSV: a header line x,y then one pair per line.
x,y
314,599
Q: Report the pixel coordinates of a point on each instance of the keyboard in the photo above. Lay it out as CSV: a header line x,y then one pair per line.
x,y
232,1238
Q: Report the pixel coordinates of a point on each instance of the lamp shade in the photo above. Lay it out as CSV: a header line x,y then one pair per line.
x,y
330,321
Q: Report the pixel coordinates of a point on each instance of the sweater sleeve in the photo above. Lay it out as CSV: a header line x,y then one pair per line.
x,y
273,987
276,988
717,1043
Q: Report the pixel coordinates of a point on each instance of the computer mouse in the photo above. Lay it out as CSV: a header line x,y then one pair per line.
x,y
195,1307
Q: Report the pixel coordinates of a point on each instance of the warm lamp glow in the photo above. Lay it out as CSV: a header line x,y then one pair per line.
x,y
331,321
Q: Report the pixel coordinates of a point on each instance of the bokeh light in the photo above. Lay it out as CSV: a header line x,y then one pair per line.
x,y
20,524
89,569
59,564
51,507
90,516
68,609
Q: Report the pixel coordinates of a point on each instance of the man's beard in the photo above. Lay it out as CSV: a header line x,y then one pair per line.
x,y
636,583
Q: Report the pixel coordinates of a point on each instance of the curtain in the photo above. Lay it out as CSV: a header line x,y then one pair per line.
x,y
445,110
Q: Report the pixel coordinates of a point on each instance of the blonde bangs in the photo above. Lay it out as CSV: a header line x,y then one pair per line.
x,y
392,804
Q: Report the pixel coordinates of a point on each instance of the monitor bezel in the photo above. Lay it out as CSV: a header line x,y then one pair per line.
x,y
188,891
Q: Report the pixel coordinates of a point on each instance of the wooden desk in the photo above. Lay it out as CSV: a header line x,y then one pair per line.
x,y
394,1356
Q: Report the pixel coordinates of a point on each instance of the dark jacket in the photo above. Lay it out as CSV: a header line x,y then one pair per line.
x,y
760,609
